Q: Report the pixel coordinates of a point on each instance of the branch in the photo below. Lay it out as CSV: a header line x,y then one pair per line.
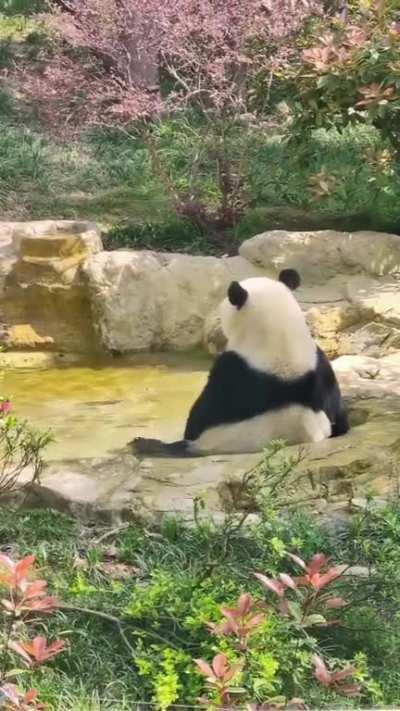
x,y
116,621
65,6
104,616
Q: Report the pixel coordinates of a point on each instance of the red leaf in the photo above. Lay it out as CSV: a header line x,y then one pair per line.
x,y
343,674
302,580
19,649
256,620
23,567
10,691
30,695
274,585
45,604
316,563
328,577
298,560
321,673
233,625
35,589
205,668
287,580
39,651
231,612
244,603
220,665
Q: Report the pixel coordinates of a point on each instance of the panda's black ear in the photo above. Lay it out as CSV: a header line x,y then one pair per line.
x,y
237,295
291,278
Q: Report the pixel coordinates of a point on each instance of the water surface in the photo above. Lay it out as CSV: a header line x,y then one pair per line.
x,y
96,409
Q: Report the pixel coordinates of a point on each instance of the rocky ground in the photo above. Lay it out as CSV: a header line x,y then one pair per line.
x,y
61,293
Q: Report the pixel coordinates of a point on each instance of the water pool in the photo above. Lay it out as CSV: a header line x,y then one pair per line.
x,y
97,408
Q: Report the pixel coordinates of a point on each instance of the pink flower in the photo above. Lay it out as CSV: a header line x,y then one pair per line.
x,y
5,407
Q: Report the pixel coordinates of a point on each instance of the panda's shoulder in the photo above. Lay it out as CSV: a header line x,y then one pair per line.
x,y
229,366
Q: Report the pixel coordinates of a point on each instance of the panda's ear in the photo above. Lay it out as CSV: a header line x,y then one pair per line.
x,y
237,295
291,278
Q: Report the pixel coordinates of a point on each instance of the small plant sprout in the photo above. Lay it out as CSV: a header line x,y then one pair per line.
x,y
21,449
219,677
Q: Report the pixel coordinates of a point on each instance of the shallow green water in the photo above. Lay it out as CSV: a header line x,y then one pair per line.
x,y
96,409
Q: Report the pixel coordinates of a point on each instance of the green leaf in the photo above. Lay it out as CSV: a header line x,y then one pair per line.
x,y
314,620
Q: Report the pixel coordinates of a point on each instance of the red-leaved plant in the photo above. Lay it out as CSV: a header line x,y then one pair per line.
x,y
309,602
308,598
241,621
24,599
340,681
219,677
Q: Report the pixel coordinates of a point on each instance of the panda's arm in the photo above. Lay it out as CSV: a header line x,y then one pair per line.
x,y
218,402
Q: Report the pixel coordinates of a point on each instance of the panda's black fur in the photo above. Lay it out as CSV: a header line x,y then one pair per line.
x,y
236,392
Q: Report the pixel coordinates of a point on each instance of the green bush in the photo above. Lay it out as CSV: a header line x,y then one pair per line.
x,y
23,7
166,584
170,235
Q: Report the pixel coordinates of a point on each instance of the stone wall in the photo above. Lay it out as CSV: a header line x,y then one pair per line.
x,y
44,295
59,291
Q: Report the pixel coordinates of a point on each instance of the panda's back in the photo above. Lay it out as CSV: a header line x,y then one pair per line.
x,y
242,408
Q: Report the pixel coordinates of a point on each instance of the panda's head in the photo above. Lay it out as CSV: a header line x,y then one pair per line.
x,y
263,322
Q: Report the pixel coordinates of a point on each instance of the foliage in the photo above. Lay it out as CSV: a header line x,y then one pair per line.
x,y
138,62
170,235
178,593
21,448
350,70
24,600
310,603
16,7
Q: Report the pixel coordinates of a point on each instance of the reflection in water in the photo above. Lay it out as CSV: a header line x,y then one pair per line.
x,y
96,409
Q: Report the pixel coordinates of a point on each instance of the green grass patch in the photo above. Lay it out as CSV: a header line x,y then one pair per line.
x,y
169,234
107,177
23,7
175,580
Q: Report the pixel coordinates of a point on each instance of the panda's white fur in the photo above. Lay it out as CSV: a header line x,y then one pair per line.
x,y
269,331
270,383
294,424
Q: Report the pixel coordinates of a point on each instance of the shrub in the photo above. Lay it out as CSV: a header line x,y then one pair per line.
x,y
170,235
24,600
21,449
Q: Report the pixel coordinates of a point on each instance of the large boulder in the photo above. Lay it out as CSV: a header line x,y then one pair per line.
x,y
152,301
322,255
350,288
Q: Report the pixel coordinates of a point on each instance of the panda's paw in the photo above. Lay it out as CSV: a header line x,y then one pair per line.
x,y
143,445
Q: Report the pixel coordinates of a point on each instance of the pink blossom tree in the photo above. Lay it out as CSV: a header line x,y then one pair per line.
x,y
138,61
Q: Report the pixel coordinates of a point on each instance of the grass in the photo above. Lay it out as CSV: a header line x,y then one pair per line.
x,y
176,578
22,7
106,176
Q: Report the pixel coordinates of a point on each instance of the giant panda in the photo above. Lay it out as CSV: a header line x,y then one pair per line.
x,y
271,382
